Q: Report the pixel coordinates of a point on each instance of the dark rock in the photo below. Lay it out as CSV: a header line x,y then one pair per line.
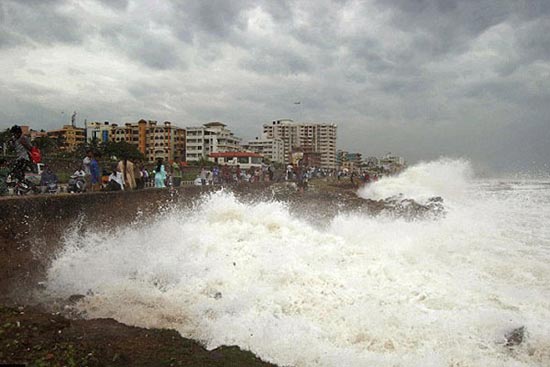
x,y
74,298
515,337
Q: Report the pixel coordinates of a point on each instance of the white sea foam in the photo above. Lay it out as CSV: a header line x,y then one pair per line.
x,y
361,291
448,178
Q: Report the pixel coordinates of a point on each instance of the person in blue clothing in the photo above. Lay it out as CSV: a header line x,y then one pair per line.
x,y
160,174
95,173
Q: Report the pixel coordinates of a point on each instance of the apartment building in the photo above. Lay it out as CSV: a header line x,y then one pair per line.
x,y
71,137
98,131
209,138
349,161
312,137
272,149
152,139
31,133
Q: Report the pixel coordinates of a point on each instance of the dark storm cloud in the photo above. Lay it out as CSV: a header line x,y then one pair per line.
x,y
417,77
276,61
216,18
38,21
152,50
117,4
448,25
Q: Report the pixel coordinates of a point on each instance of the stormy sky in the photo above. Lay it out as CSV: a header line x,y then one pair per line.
x,y
421,78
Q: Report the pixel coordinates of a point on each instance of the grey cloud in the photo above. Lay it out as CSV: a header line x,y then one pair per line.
x,y
534,41
421,86
116,4
142,46
448,24
277,62
40,21
216,19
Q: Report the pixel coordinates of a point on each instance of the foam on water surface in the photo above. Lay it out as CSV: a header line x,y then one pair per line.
x,y
359,291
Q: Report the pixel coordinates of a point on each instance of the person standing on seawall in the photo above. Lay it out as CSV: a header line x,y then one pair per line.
x,y
22,147
127,168
4,173
95,173
86,166
160,174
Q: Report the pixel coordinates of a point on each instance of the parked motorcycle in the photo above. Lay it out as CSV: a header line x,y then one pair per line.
x,y
29,185
76,184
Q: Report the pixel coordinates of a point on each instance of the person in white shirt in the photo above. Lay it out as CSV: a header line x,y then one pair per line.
x,y
79,173
116,178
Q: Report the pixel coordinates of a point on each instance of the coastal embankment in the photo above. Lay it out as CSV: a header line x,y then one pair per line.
x,y
32,231
61,253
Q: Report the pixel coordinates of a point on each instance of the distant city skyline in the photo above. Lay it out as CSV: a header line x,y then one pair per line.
x,y
422,79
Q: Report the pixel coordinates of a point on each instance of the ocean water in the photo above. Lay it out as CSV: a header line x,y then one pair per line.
x,y
355,291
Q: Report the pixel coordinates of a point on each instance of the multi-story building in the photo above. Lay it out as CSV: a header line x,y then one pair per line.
x,y
392,163
153,140
69,136
98,131
312,137
209,138
349,161
244,160
31,133
371,162
272,149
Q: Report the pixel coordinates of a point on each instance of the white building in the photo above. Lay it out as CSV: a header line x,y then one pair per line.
x,y
244,160
392,159
212,137
272,149
313,137
98,130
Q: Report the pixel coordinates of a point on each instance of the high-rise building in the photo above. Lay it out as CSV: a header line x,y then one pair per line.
x,y
311,137
209,138
272,149
69,137
153,140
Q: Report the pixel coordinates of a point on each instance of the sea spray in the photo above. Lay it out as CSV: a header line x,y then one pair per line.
x,y
448,178
358,291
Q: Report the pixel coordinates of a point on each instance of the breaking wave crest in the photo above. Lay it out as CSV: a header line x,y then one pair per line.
x,y
359,291
448,178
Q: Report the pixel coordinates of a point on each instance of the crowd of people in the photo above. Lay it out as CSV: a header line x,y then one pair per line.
x,y
127,174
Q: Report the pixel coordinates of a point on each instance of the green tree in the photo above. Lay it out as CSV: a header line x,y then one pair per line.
x,y
5,145
121,149
60,141
46,144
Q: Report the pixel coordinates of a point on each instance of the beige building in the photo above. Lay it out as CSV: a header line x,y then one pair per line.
x,y
212,137
98,131
31,133
152,139
272,149
348,161
312,137
71,136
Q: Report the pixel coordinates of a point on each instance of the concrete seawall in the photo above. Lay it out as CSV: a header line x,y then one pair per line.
x,y
31,228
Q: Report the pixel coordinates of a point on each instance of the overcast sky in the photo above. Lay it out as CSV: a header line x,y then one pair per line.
x,y
421,78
